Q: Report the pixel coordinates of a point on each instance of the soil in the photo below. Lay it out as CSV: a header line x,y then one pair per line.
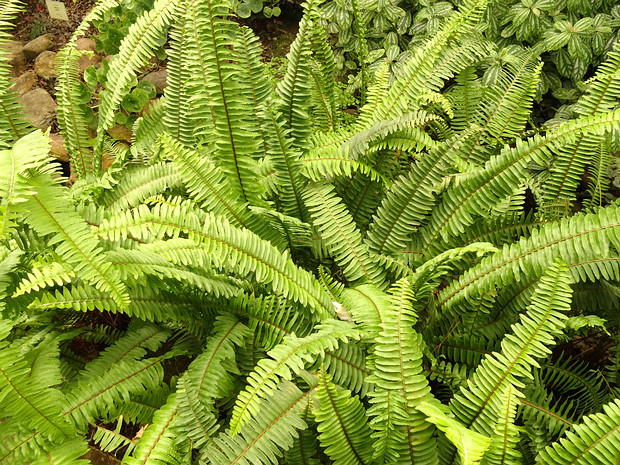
x,y
36,21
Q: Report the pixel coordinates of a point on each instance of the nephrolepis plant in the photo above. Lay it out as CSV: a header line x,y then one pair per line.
x,y
256,280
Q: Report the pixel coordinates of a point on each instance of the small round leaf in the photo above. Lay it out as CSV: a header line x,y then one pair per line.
x,y
244,10
276,11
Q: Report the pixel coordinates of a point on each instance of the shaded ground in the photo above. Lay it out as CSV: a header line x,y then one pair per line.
x,y
35,21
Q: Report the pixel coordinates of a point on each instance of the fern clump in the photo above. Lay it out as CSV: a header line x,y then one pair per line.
x,y
260,278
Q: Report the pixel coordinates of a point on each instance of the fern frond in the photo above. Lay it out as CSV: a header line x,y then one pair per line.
x,y
284,360
340,236
479,404
342,424
293,91
263,438
593,441
598,176
47,212
69,452
398,370
503,443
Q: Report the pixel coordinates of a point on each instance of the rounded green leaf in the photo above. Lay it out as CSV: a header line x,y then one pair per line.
x,y
267,11
276,11
148,87
244,10
90,77
82,93
256,5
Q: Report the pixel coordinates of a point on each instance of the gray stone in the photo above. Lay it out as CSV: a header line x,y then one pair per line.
x,y
25,82
33,48
13,50
45,65
86,44
120,132
39,108
158,78
58,149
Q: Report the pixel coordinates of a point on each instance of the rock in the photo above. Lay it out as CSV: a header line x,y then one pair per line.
x,y
120,132
33,48
45,65
158,78
39,108
86,44
86,60
15,55
58,149
25,82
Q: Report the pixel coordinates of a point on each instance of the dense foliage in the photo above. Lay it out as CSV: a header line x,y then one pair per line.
x,y
261,277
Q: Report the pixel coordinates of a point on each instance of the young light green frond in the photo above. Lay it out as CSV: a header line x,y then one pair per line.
x,y
398,352
139,184
342,424
283,361
368,305
146,129
347,367
479,404
470,445
263,438
135,50
503,450
163,442
47,276
340,236
596,440
324,72
47,212
604,88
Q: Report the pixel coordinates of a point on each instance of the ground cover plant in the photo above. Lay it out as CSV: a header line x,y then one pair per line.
x,y
261,277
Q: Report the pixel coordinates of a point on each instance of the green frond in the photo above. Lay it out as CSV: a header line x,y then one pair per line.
x,y
211,190
47,276
93,398
583,242
594,441
342,424
478,405
176,114
368,305
293,94
340,236
146,130
69,452
162,442
410,198
411,83
135,50
206,375
323,74
398,352
503,443
482,188
598,175
347,367
303,450
223,246
111,440
36,406
236,140
139,184
46,211
264,437
270,318
283,361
